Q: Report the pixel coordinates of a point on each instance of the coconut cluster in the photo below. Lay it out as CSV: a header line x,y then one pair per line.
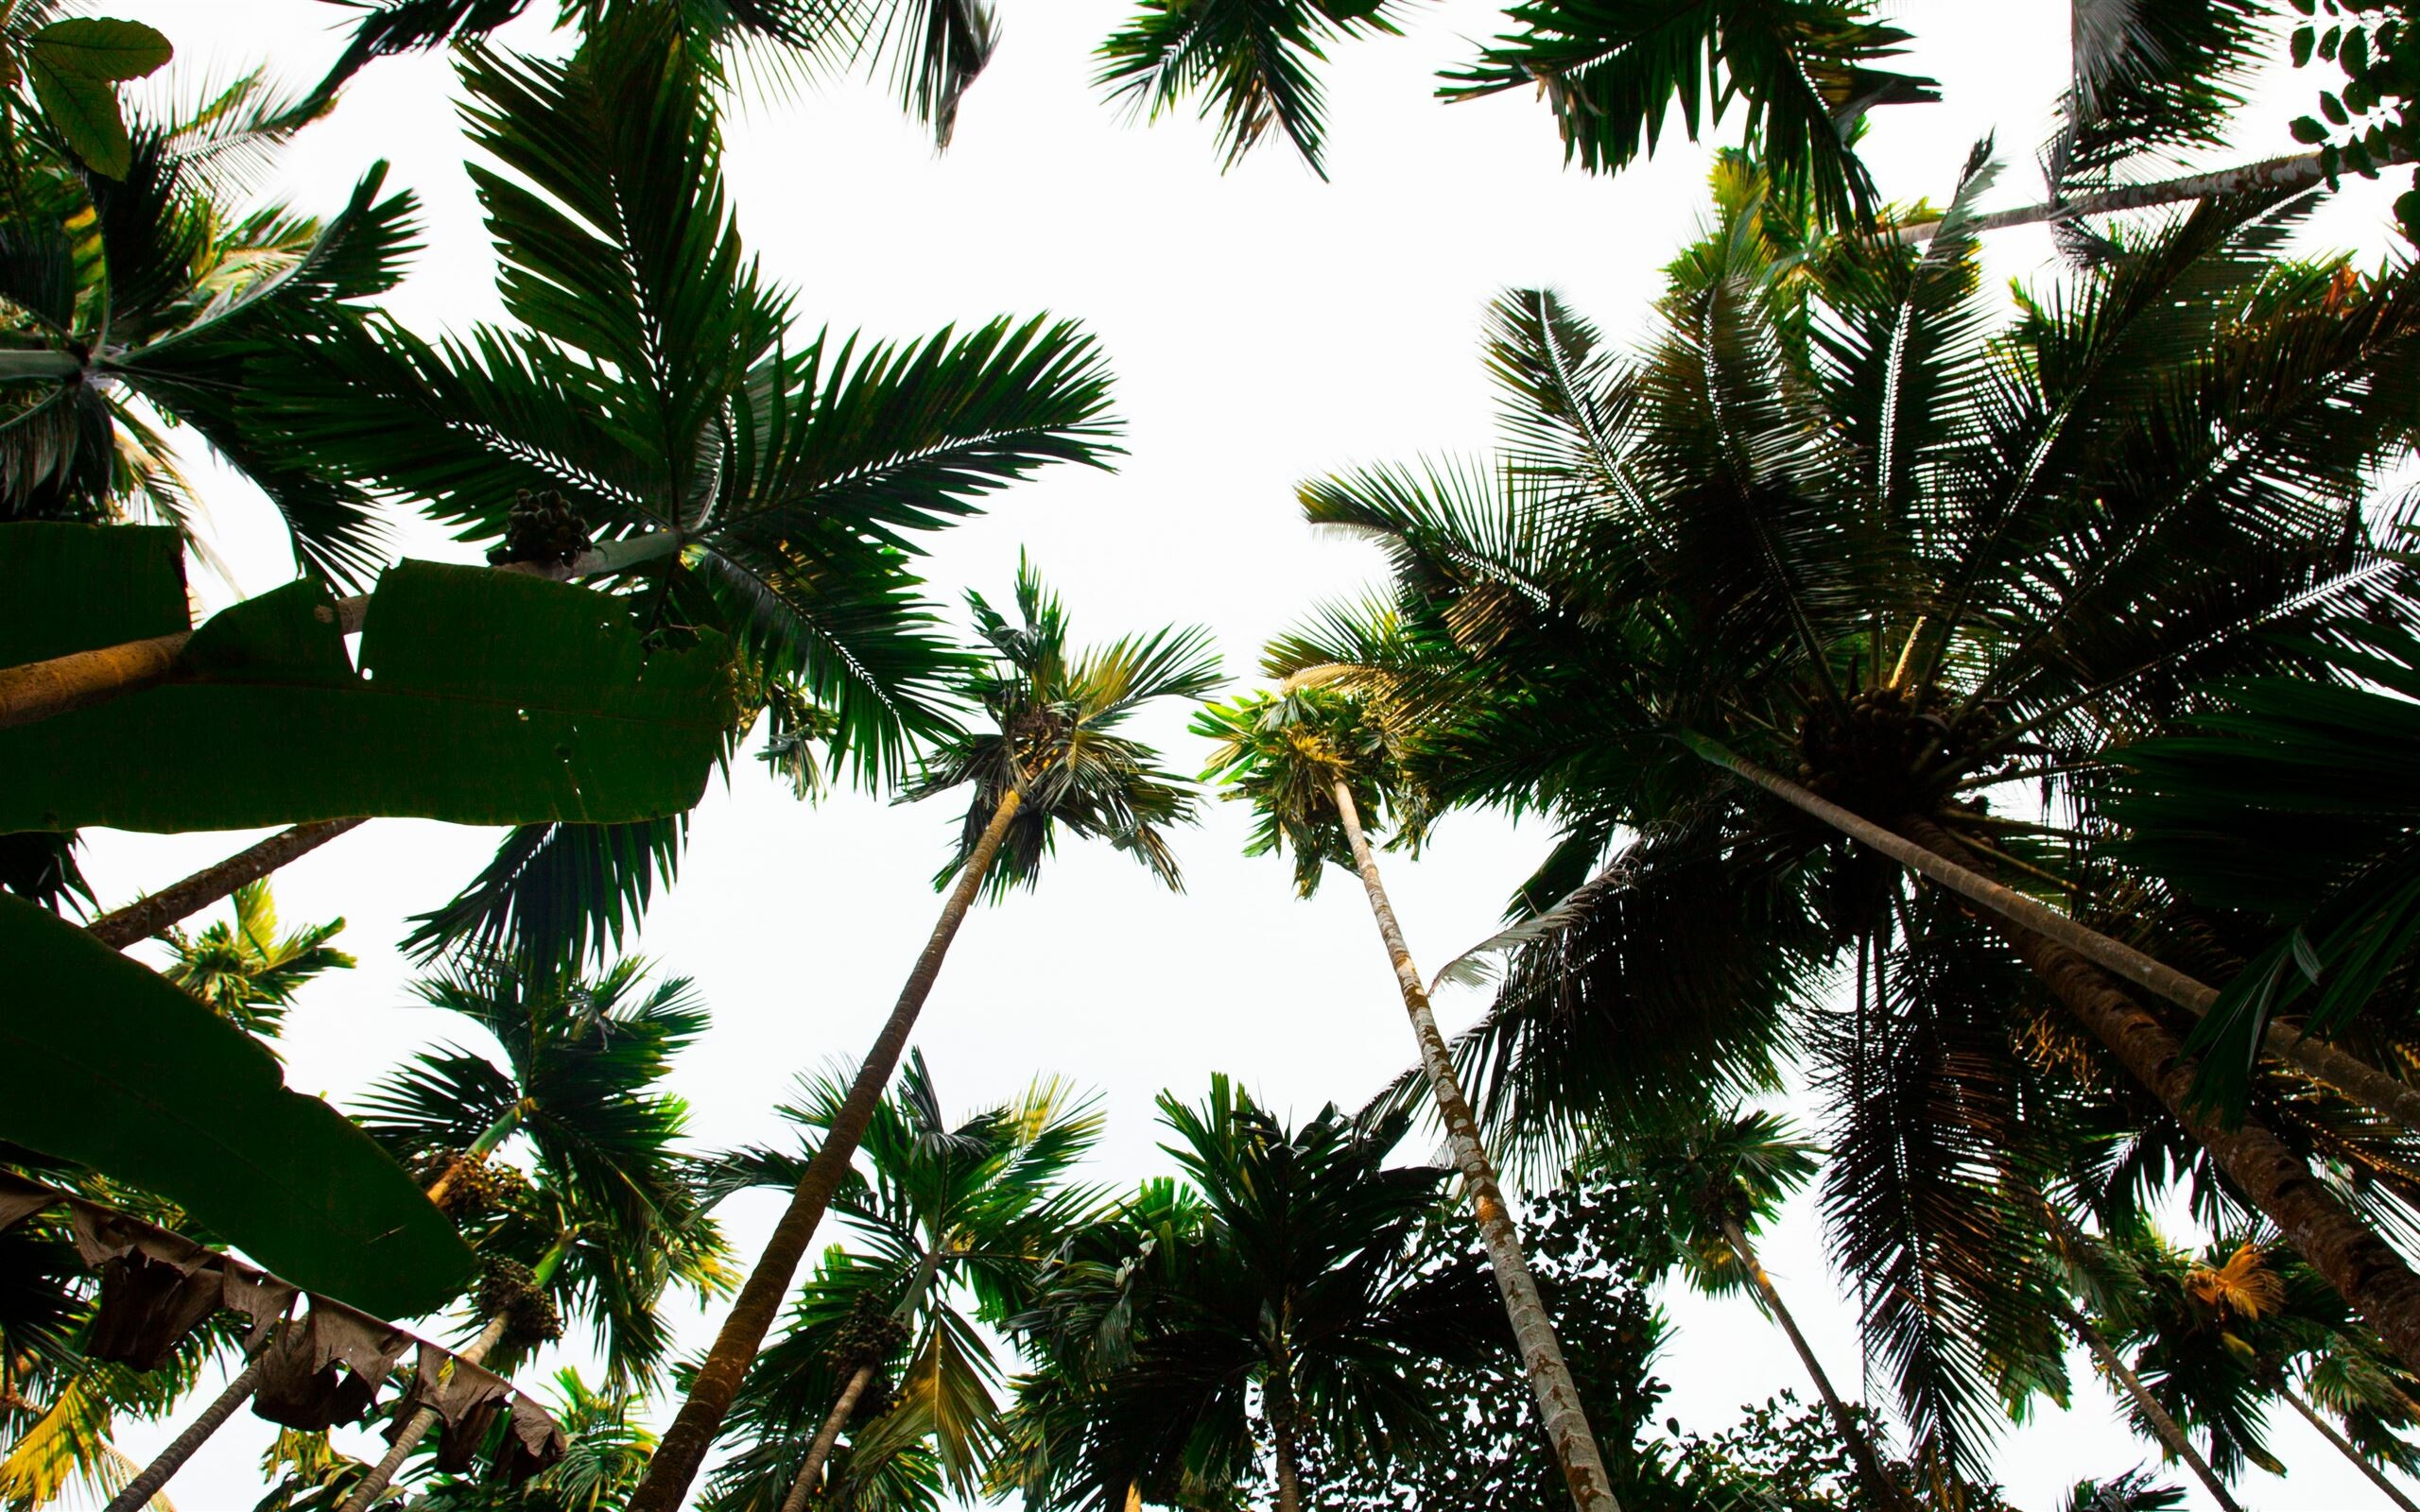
x,y
510,1290
541,528
1866,757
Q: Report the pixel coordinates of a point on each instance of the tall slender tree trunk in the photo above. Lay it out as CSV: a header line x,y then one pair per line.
x,y
1887,1492
684,1445
39,689
2327,1430
150,914
154,1476
2163,1425
1289,1462
803,1484
2298,170
1559,1408
368,1489
2357,1079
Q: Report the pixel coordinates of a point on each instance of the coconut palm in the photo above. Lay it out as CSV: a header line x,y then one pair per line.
x,y
954,1221
1275,1289
1309,762
1722,1176
1839,526
654,401
244,968
1048,755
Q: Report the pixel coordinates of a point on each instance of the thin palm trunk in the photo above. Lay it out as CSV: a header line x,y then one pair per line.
x,y
802,1485
147,915
2298,170
1566,1422
684,1450
371,1485
1887,1492
2163,1425
2363,1083
1290,1463
2344,1446
154,1476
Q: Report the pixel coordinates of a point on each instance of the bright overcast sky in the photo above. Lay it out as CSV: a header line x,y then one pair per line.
x,y
1264,327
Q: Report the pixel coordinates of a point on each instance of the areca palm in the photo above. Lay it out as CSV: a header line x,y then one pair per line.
x,y
244,968
1722,1176
954,1221
1048,754
1308,761
609,1216
1842,527
654,399
1276,1288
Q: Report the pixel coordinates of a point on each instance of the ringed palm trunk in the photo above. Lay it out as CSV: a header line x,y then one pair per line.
x,y
1886,1491
684,1444
1559,1408
1285,1428
803,1484
147,915
2163,1425
2327,1430
2364,1271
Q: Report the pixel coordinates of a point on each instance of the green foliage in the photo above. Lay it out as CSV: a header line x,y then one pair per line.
x,y
244,969
1252,62
483,697
75,67
2366,123
1802,71
118,1069
1285,752
1279,1294
1051,733
1810,516
953,1222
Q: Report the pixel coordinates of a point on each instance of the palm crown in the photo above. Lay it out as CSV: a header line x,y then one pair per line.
x,y
1284,753
1051,732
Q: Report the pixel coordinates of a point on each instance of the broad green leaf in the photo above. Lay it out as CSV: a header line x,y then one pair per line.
x,y
102,49
85,112
114,1068
72,587
484,698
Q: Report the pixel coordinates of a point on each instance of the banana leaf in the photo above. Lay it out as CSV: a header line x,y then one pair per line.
x,y
112,1066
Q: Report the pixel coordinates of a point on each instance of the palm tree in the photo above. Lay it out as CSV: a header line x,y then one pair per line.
x,y
580,1064
610,1216
1299,759
1049,755
1279,1281
956,1220
653,400
601,1462
1721,1175
1806,531
244,969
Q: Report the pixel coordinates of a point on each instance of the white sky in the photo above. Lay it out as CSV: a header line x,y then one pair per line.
x,y
1264,328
